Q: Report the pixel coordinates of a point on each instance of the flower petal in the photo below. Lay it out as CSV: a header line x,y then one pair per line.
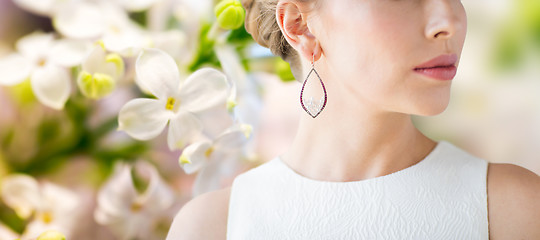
x,y
98,61
215,120
230,62
35,227
116,196
35,46
42,7
14,68
115,65
80,19
136,5
194,156
173,42
7,233
95,60
58,199
204,89
69,52
234,137
144,119
127,42
158,196
63,204
208,178
158,73
21,192
51,85
182,129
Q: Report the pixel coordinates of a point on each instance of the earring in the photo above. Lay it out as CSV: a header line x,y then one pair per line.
x,y
311,107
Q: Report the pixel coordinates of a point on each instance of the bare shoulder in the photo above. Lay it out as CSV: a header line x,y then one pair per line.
x,y
513,202
203,217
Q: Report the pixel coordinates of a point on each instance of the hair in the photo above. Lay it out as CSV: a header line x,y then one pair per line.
x,y
261,23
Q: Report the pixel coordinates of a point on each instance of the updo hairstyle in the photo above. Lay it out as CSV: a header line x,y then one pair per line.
x,y
262,24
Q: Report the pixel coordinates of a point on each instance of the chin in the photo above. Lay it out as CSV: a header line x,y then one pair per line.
x,y
431,108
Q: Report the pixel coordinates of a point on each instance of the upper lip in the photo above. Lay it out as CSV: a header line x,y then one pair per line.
x,y
440,61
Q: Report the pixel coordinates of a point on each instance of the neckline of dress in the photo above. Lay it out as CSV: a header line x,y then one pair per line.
x,y
431,155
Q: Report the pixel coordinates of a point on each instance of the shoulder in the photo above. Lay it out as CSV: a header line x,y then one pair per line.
x,y
513,202
203,217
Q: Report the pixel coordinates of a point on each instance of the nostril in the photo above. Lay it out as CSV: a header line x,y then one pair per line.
x,y
441,34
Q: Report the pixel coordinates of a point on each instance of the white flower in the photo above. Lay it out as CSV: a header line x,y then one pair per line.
x,y
209,157
100,72
135,5
89,19
177,100
106,20
42,7
128,213
121,34
43,59
127,41
51,206
173,42
21,193
245,101
102,19
7,233
233,68
79,19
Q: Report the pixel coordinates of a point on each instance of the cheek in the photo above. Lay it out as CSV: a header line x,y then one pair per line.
x,y
370,57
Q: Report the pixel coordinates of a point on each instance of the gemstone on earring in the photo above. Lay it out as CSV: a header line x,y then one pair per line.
x,y
312,107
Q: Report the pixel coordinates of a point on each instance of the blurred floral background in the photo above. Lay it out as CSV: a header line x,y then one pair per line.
x,y
115,113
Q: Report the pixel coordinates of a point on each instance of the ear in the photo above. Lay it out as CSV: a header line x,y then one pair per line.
x,y
292,21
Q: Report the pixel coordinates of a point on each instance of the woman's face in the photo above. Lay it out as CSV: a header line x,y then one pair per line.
x,y
372,47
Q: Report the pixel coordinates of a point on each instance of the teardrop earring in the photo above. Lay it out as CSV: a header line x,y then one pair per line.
x,y
311,107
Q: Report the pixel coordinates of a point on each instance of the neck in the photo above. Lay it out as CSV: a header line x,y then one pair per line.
x,y
352,141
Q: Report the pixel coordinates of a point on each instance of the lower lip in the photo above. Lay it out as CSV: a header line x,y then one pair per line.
x,y
440,73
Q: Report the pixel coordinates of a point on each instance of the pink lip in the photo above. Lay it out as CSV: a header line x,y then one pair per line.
x,y
442,67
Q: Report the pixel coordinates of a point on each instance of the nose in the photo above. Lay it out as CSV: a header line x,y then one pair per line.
x,y
444,19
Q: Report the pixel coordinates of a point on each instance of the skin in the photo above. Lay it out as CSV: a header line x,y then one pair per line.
x,y
365,52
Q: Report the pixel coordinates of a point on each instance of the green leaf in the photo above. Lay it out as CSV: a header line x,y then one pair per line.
x,y
205,54
139,17
239,36
11,219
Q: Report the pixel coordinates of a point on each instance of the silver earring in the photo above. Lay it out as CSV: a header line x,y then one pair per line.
x,y
311,107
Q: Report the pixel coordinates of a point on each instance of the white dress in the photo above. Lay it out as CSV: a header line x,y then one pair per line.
x,y
444,196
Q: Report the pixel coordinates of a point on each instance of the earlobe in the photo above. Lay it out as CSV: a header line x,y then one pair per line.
x,y
312,52
317,52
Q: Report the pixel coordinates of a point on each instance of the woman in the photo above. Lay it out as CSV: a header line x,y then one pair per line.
x,y
358,168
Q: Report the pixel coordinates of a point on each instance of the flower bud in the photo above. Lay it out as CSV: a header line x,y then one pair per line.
x,y
95,86
230,14
51,235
